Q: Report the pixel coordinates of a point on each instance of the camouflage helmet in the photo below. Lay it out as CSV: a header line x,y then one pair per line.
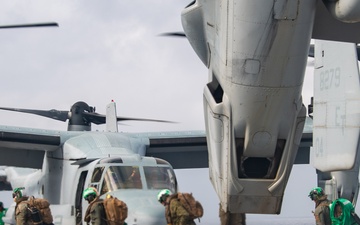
x,y
315,193
163,194
90,191
18,192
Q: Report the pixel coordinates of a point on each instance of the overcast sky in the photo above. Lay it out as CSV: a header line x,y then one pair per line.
x,y
111,50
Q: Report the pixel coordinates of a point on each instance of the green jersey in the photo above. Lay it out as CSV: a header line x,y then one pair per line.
x,y
2,214
340,212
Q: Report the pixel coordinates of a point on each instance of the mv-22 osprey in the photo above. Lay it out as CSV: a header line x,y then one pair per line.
x,y
124,165
256,52
59,165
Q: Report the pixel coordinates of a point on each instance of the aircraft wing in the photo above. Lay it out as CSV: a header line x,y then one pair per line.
x,y
181,149
186,150
23,147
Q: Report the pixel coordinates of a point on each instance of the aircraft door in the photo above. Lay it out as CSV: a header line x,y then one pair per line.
x,y
78,197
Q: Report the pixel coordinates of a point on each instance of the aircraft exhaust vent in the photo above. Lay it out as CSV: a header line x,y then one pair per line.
x,y
255,167
258,167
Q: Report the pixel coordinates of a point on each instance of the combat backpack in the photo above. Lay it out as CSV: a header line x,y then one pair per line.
x,y
116,210
193,207
39,209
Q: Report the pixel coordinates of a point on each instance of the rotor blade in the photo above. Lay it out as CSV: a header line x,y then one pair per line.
x,y
95,117
53,113
140,119
174,34
101,119
51,24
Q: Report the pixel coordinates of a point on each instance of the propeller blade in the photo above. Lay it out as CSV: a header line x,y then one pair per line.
x,y
101,119
94,117
51,24
52,114
174,34
140,119
80,114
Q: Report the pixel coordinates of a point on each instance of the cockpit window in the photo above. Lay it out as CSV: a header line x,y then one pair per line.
x,y
160,178
96,176
121,177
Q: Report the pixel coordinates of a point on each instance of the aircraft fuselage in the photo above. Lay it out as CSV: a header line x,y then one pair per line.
x,y
256,52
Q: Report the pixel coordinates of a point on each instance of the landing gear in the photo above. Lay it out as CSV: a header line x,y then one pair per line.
x,y
227,218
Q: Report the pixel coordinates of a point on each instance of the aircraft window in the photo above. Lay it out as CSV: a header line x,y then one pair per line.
x,y
96,176
121,177
160,178
161,161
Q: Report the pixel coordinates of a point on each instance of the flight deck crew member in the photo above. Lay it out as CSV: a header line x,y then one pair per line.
x,y
175,213
2,213
322,211
342,212
95,213
22,215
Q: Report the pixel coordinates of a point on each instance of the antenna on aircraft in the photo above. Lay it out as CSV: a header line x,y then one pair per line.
x,y
50,24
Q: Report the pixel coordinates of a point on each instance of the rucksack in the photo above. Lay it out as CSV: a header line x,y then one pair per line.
x,y
116,210
40,210
193,207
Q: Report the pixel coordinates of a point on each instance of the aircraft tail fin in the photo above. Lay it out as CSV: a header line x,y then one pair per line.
x,y
111,117
336,117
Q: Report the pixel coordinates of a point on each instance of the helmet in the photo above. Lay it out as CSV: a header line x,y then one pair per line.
x,y
1,205
316,193
91,191
18,192
163,194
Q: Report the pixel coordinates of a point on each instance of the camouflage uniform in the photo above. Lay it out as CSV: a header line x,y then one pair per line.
x,y
22,215
322,212
175,213
95,213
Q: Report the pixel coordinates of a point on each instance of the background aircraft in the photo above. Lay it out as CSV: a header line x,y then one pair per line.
x,y
71,161
90,61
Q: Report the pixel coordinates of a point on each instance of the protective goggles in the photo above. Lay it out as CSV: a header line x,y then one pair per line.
x,y
163,198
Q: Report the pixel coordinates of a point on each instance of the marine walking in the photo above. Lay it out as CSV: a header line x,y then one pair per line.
x,y
176,210
322,212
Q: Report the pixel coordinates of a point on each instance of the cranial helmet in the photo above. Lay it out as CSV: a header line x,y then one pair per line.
x,y
315,193
18,192
163,194
90,192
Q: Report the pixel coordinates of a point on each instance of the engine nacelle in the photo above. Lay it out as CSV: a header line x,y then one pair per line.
x,y
240,177
192,19
344,10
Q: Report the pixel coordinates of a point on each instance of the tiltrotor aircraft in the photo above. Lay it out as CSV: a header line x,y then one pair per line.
x,y
256,52
64,163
